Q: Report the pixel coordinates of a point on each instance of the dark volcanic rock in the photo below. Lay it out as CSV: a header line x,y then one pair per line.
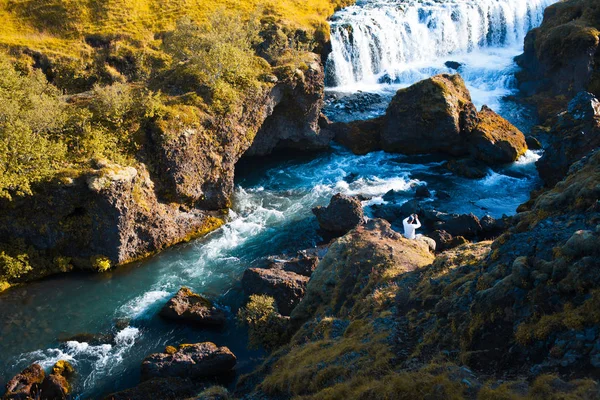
x,y
453,65
193,361
533,143
159,388
341,215
422,192
466,225
468,168
575,134
25,385
287,288
188,306
445,241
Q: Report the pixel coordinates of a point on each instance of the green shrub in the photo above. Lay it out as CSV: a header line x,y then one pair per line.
x,y
266,327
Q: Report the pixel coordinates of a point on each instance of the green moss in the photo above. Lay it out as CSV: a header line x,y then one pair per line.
x,y
266,327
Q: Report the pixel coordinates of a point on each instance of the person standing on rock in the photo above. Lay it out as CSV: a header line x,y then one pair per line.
x,y
411,224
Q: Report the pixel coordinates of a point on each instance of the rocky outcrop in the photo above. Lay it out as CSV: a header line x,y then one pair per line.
x,y
192,361
33,383
436,116
187,306
111,214
175,190
25,384
575,133
56,386
293,122
286,287
562,56
341,215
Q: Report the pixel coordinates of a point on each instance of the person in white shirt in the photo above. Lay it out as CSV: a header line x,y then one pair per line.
x,y
411,224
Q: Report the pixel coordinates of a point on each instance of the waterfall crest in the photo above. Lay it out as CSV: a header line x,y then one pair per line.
x,y
379,41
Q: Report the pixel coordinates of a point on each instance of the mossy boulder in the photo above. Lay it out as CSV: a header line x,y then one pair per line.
x,y
341,215
187,306
430,116
286,287
495,140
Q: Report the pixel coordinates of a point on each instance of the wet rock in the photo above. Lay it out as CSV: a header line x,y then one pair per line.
x,y
25,385
453,65
188,306
343,214
410,207
56,386
442,195
361,137
495,140
159,388
192,361
533,143
467,168
287,288
93,339
445,241
466,225
422,192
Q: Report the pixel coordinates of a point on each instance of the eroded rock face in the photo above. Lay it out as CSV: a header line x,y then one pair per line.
x,y
188,306
341,215
576,133
192,361
561,56
25,384
294,120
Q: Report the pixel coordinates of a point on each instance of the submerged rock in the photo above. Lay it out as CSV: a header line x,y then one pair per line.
x,y
341,215
188,306
25,385
193,361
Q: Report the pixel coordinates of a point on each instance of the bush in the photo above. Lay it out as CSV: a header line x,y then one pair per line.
x,y
31,120
266,327
219,56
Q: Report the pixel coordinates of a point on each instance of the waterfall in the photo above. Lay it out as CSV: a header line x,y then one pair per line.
x,y
398,41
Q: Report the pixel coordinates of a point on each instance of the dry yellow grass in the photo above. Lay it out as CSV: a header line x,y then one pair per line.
x,y
61,25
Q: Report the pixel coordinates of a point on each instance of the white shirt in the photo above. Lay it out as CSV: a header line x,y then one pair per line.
x,y
409,229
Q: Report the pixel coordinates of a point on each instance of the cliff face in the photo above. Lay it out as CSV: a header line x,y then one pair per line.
x,y
562,56
176,192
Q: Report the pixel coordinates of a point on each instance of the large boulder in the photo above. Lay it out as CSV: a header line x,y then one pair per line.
x,y
286,287
189,306
575,134
200,360
436,115
343,214
430,116
445,241
466,225
26,384
561,56
495,140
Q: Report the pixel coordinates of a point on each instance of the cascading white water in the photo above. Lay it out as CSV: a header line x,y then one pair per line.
x,y
397,41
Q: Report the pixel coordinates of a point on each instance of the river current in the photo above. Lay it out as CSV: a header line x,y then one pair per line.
x,y
393,44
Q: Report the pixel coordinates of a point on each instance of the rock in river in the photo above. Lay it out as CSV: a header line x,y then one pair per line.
x,y
343,214
192,307
200,360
